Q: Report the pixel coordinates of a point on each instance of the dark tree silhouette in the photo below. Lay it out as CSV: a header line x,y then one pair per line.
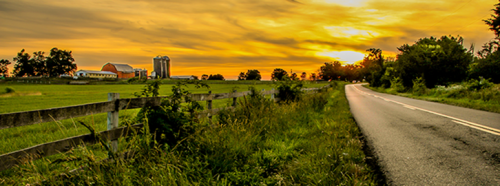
x,y
216,77
253,75
3,66
279,74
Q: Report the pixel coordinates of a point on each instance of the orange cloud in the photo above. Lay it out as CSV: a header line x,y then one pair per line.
x,y
231,36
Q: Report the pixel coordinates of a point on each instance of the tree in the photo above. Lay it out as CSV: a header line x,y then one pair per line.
x,y
437,61
373,67
242,76
303,76
294,76
38,61
60,62
204,77
253,75
494,22
3,67
331,71
313,77
351,72
216,77
22,65
279,74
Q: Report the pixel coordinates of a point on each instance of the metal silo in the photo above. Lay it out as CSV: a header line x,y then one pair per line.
x,y
157,64
166,66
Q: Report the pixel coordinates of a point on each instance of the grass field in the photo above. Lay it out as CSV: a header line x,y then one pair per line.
x,y
311,142
13,139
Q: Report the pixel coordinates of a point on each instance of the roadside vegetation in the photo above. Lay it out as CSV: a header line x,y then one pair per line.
x,y
441,70
310,141
475,94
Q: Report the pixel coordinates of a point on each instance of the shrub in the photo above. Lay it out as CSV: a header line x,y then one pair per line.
x,y
475,85
9,90
397,84
419,87
288,90
173,120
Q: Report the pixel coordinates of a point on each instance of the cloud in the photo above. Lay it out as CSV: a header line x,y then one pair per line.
x,y
229,36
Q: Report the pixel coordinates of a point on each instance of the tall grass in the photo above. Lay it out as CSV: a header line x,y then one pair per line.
x,y
476,94
310,142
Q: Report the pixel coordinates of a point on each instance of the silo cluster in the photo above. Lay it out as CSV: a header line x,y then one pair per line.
x,y
161,67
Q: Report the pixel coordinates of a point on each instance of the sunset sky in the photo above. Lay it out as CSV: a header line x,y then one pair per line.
x,y
232,36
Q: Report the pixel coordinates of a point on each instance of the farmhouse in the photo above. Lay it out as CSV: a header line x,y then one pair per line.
x,y
122,70
96,74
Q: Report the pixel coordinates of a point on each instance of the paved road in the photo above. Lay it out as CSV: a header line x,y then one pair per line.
x,y
426,143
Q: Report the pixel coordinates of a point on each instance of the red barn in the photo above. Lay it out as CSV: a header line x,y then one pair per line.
x,y
122,70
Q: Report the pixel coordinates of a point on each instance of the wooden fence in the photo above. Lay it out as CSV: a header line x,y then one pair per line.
x,y
112,107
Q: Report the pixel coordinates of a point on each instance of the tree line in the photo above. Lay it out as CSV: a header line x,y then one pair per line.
x,y
57,63
429,61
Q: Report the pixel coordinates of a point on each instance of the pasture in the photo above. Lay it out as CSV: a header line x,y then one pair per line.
x,y
66,95
314,141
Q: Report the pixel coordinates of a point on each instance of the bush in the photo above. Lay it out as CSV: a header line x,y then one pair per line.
x,y
9,90
288,90
419,87
475,85
397,84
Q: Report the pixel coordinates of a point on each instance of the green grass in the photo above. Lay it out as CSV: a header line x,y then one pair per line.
x,y
13,139
311,142
484,99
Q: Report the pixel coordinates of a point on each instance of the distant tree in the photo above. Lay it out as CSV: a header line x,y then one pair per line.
x,y
373,67
351,72
216,77
22,66
313,77
3,67
38,61
494,21
294,76
279,74
253,75
60,62
195,77
241,76
437,61
204,77
303,76
331,71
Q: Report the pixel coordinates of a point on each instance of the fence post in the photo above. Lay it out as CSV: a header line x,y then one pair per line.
x,y
234,98
113,118
209,102
272,95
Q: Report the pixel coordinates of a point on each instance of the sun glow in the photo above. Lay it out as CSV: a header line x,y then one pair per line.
x,y
346,57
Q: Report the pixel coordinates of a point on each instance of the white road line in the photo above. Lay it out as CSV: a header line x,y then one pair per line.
x,y
481,129
456,120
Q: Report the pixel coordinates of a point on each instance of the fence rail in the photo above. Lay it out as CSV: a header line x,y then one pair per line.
x,y
113,106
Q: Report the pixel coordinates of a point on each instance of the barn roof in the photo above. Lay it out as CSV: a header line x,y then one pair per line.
x,y
125,68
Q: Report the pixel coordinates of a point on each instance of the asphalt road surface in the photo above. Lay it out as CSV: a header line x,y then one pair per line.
x,y
425,143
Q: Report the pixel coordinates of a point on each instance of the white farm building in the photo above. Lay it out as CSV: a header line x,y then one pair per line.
x,y
95,74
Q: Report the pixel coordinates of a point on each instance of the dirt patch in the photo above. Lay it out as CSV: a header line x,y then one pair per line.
x,y
16,94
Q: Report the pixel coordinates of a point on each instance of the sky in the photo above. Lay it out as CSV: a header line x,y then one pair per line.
x,y
233,36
